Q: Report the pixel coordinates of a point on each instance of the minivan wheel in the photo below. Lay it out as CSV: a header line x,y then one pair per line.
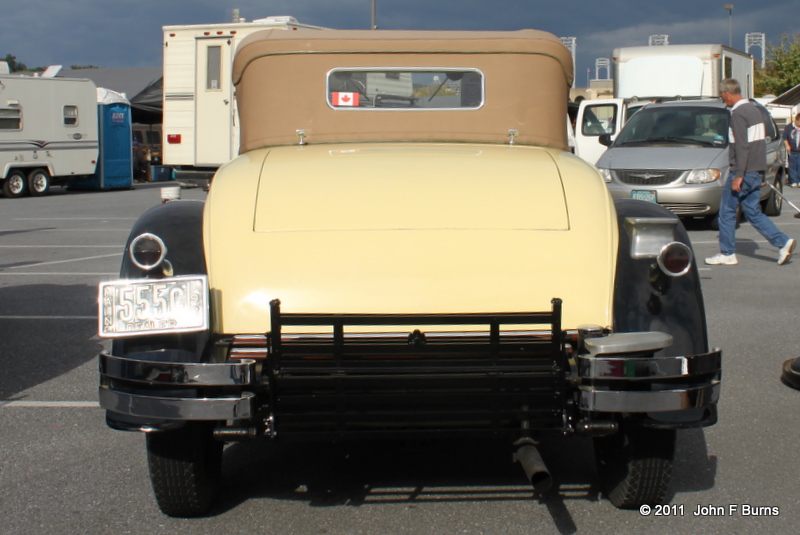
x,y
774,203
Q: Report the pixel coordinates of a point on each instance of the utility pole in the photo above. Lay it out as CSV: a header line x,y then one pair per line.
x,y
729,9
374,14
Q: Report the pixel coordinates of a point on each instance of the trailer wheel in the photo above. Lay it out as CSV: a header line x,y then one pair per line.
x,y
635,466
14,185
185,469
38,182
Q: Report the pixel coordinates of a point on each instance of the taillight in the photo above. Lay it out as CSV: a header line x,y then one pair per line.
x,y
675,259
173,138
147,251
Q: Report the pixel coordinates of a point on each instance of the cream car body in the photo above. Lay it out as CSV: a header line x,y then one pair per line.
x,y
405,247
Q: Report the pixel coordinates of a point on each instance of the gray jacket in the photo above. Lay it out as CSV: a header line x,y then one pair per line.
x,y
747,135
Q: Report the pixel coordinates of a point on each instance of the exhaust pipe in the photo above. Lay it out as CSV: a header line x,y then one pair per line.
x,y
531,460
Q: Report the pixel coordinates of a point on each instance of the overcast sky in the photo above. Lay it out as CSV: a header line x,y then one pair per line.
x,y
116,33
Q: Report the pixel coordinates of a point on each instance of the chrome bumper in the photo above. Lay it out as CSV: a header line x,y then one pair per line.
x,y
618,373
125,389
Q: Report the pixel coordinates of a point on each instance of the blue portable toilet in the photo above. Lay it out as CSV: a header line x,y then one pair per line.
x,y
115,161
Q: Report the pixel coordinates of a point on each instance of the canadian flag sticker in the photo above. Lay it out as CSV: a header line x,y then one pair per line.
x,y
344,99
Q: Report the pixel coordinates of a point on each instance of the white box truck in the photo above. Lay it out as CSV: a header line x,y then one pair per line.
x,y
48,132
200,128
648,73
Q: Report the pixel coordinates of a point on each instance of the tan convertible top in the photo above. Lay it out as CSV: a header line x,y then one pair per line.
x,y
281,79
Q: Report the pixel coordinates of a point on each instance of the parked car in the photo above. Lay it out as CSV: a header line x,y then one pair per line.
x,y
406,248
676,154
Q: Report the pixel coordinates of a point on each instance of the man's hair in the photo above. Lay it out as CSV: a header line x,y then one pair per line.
x,y
730,85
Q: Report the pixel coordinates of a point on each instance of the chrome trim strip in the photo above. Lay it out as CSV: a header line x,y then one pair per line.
x,y
178,373
248,353
615,343
655,401
178,408
622,368
249,340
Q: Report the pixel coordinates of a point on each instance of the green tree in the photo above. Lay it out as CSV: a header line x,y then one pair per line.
x,y
782,67
12,63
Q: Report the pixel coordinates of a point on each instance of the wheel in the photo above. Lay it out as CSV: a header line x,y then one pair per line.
x,y
774,203
14,184
38,182
635,466
185,469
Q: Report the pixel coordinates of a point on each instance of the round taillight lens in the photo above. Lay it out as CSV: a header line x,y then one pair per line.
x,y
675,259
147,251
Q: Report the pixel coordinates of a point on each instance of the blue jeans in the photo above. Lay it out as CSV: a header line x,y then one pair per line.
x,y
794,167
748,199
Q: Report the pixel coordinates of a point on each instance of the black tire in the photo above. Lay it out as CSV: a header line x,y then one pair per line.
x,y
774,203
38,182
635,466
15,184
185,469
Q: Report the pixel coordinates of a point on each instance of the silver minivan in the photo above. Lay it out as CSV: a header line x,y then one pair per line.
x,y
676,154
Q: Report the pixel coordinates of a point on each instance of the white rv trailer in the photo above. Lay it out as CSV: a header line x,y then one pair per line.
x,y
200,125
48,132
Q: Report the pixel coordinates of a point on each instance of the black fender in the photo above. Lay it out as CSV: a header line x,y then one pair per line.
x,y
645,299
180,226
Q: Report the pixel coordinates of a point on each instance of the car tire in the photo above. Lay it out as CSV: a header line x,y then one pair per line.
x,y
14,185
185,469
38,182
774,203
635,466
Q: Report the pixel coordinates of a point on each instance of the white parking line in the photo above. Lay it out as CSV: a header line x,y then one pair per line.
x,y
75,218
59,246
59,274
66,261
48,318
50,404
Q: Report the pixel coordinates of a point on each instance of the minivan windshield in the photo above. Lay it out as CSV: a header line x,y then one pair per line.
x,y
704,126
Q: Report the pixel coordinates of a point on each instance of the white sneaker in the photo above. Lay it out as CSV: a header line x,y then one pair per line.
x,y
722,260
786,251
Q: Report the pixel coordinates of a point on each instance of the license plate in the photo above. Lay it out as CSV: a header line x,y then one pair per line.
x,y
644,195
147,306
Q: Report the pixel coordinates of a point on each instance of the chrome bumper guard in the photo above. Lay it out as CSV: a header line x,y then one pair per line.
x,y
618,373
181,379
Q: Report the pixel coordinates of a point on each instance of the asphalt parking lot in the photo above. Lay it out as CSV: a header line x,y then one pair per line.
x,y
63,471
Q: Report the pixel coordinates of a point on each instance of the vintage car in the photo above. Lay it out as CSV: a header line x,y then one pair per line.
x,y
405,248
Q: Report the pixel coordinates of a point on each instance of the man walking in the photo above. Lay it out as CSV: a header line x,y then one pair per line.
x,y
791,137
748,162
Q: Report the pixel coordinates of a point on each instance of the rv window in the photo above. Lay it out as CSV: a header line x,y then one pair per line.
x,y
10,119
71,115
405,88
213,68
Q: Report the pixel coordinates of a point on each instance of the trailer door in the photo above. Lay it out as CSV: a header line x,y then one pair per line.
x,y
214,109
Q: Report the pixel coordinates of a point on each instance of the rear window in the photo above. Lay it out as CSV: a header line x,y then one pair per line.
x,y
405,88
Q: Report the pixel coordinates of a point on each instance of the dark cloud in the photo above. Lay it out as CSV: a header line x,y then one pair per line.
x,y
128,34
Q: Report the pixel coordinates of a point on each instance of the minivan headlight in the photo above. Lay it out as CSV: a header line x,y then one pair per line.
x,y
605,173
703,176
